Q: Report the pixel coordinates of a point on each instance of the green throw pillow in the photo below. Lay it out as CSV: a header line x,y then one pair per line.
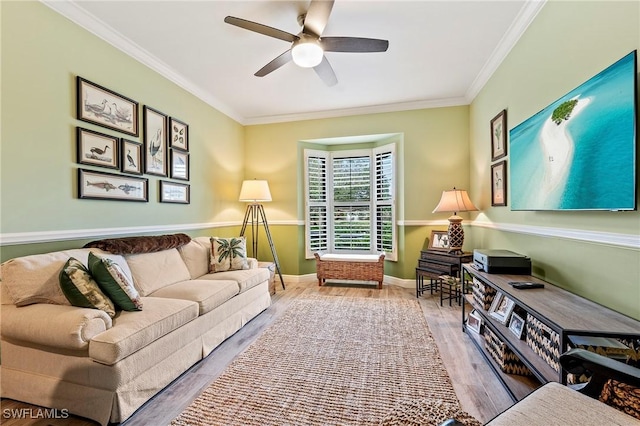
x,y
81,290
228,254
113,281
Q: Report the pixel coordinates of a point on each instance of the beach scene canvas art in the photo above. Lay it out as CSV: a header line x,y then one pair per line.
x,y
579,152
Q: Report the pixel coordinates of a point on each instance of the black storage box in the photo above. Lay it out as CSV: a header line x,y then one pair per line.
x,y
501,262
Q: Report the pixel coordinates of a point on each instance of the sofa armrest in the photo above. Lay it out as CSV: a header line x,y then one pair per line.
x,y
253,263
577,361
59,326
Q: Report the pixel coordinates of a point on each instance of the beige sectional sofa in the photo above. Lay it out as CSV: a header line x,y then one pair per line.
x,y
82,360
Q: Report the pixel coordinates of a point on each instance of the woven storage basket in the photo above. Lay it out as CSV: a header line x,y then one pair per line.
x,y
608,347
506,359
622,396
483,294
544,341
350,270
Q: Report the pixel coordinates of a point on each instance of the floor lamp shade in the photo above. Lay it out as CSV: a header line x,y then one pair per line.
x,y
255,191
455,201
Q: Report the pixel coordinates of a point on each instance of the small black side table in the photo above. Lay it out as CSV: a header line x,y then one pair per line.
x,y
434,263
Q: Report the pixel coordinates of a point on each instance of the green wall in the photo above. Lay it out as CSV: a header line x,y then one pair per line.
x,y
432,156
566,44
42,53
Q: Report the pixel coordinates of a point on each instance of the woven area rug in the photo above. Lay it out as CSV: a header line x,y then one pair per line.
x,y
331,360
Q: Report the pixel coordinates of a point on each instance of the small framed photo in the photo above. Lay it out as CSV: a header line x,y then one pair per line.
x,y
499,184
171,192
501,307
516,325
178,134
106,108
439,241
474,322
179,165
131,157
108,186
97,149
499,136
155,142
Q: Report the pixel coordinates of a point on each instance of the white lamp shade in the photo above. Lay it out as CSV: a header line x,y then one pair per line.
x,y
307,54
254,191
454,201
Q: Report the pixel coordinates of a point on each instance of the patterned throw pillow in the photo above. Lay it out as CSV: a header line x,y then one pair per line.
x,y
228,254
115,283
81,289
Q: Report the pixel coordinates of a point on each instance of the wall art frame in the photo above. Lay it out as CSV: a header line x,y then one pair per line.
x,y
108,186
98,105
131,157
97,149
499,183
501,307
439,241
178,134
172,192
499,135
179,165
155,142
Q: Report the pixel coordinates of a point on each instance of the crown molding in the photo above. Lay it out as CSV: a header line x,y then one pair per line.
x,y
526,15
72,11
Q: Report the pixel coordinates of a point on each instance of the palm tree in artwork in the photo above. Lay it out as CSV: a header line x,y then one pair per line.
x,y
229,249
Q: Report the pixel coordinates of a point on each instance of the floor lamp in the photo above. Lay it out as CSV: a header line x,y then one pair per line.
x,y
254,192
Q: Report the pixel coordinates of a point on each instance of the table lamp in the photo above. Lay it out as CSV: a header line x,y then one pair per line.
x,y
455,201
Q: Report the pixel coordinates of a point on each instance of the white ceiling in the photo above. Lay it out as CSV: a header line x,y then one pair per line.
x,y
440,52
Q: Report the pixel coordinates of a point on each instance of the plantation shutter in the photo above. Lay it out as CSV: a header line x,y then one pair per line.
x,y
351,204
384,200
317,229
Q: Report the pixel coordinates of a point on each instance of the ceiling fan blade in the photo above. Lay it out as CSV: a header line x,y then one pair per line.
x,y
275,64
325,72
262,29
317,16
353,44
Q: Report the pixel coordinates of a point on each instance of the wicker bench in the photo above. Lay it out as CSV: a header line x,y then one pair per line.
x,y
362,267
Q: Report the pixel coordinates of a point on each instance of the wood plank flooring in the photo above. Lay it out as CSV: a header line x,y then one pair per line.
x,y
479,391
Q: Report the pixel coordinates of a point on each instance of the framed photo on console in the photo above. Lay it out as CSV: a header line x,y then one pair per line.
x,y
516,325
474,322
501,307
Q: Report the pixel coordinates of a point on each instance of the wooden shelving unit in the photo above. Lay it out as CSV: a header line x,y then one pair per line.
x,y
564,312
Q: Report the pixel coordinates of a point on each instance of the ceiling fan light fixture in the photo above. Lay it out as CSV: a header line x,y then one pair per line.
x,y
307,54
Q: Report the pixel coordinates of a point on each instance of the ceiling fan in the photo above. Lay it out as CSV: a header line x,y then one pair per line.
x,y
308,46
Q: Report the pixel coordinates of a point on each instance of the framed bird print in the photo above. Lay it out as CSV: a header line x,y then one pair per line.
x,y
178,134
155,142
499,184
106,108
131,157
97,149
179,165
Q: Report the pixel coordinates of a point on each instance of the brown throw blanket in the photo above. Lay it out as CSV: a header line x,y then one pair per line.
x,y
136,245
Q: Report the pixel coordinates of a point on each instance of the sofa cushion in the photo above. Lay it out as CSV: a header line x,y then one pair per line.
x,y
228,254
152,271
82,290
196,256
132,331
35,278
113,281
208,294
245,279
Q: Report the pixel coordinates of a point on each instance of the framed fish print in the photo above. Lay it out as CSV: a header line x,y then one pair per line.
x,y
106,108
171,192
97,149
131,157
155,142
109,186
179,165
178,134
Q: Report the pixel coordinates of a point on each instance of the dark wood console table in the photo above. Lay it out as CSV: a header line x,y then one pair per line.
x,y
556,310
